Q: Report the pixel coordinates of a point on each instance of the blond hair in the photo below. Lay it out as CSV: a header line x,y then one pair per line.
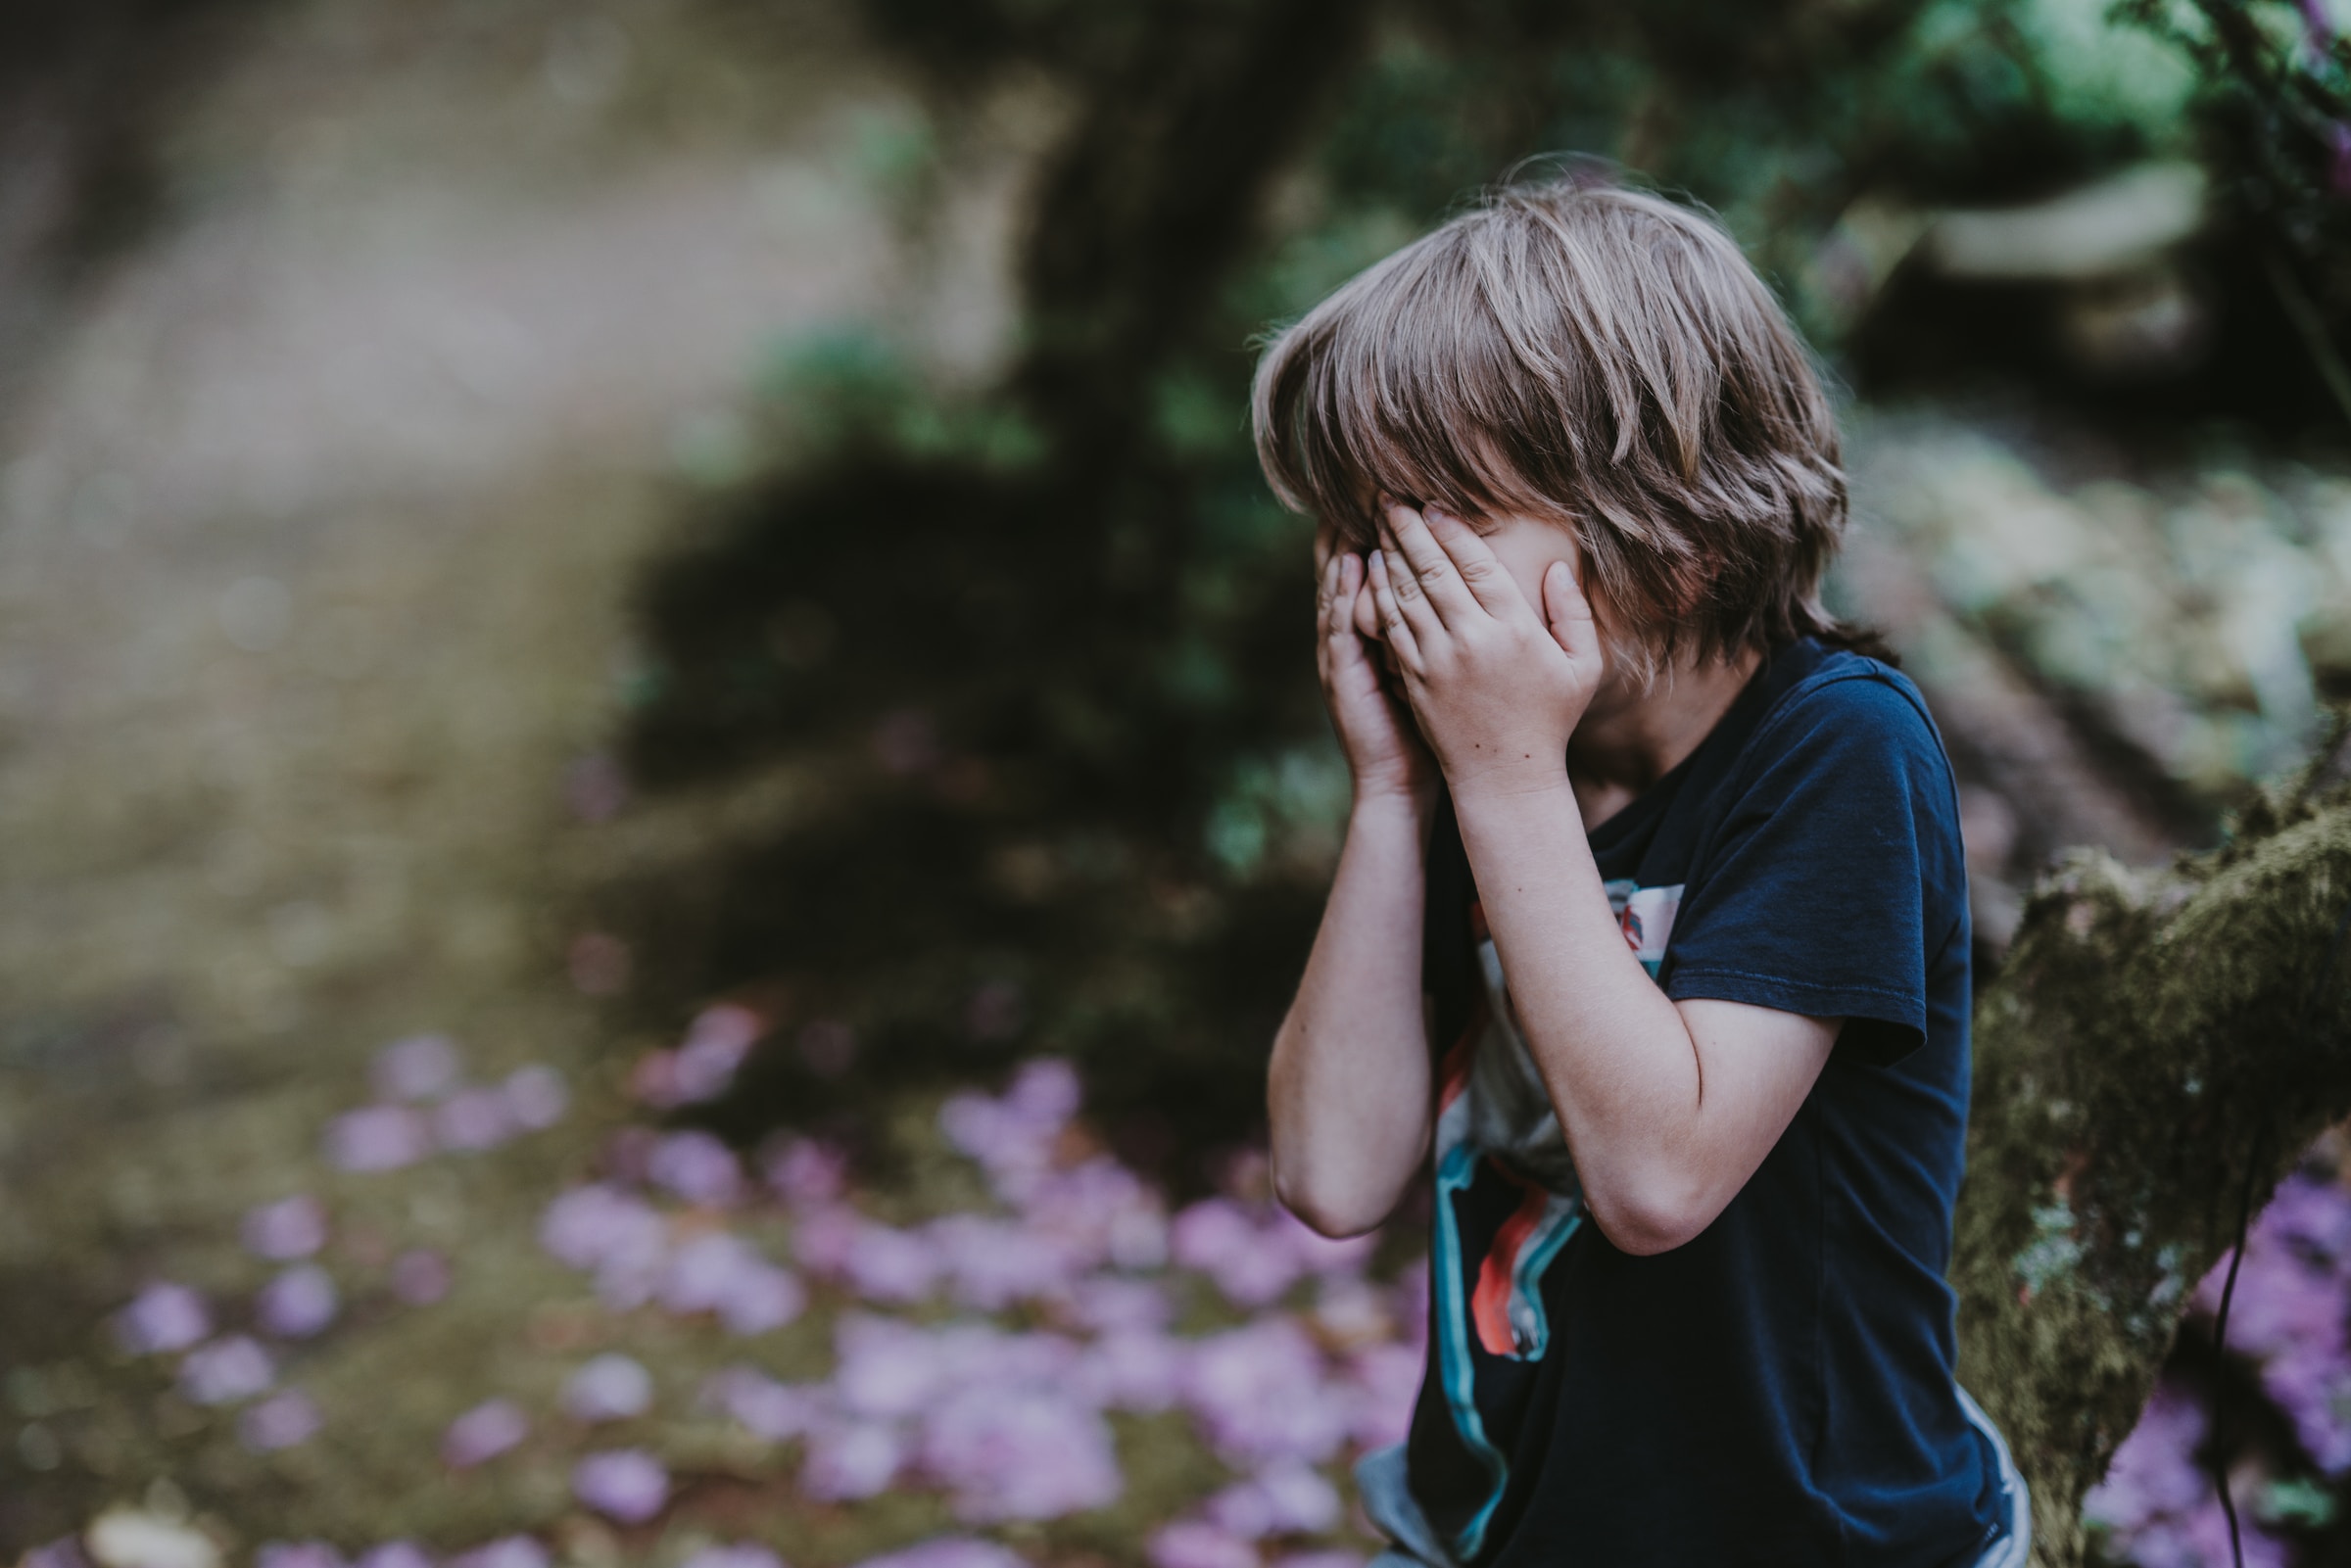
x,y
1587,354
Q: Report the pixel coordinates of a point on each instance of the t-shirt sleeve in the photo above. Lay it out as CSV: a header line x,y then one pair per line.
x,y
1836,877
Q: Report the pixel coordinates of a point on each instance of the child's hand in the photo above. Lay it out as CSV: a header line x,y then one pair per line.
x,y
1497,687
1384,751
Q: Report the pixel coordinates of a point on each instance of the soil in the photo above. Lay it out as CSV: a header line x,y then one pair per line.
x,y
324,503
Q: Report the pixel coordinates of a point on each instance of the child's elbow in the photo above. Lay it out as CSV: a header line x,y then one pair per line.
x,y
1645,1224
1327,1214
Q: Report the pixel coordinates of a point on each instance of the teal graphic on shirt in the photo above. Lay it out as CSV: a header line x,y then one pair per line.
x,y
1495,1116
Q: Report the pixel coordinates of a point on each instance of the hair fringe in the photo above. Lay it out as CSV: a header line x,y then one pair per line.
x,y
1602,356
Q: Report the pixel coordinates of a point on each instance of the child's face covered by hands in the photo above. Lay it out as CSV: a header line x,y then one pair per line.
x,y
1526,547
1489,638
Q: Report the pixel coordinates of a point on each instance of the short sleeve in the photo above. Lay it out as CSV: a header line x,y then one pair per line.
x,y
1835,878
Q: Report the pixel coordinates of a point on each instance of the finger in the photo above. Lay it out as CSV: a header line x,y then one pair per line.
x,y
1350,605
1432,569
1338,617
1481,570
1412,598
1364,612
1327,591
1569,614
1394,627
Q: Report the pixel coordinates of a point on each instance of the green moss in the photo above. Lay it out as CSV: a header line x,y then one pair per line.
x,y
2152,1035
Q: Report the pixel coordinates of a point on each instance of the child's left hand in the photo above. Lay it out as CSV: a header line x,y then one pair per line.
x,y
1496,687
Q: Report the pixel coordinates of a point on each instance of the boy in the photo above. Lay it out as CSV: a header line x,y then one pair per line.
x,y
1651,927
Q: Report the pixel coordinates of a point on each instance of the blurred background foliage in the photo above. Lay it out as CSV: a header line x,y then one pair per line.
x,y
709,499
1056,622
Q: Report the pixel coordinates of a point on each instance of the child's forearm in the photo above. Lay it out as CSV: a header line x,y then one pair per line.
x,y
1349,1088
1667,1108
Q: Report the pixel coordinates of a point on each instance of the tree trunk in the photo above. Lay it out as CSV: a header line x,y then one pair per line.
x,y
2158,1050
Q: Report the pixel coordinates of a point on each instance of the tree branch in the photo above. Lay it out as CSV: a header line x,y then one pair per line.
x,y
2152,1035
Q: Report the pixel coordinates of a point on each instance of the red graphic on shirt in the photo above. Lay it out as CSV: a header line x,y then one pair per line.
x,y
1489,1303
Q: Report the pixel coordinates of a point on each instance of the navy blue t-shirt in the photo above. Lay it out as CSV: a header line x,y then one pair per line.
x,y
1779,1390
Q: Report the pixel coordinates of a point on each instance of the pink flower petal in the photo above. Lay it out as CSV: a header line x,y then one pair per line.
x,y
824,1237
280,1421
1252,1263
163,1317
1197,1544
382,1137
738,1554
622,1238
286,1230
852,1460
395,1554
885,1264
226,1371
701,1271
721,1273
483,1432
1027,1454
296,1554
994,1263
950,1551
474,1119
1104,1304
1136,1369
1283,1500
653,1080
536,1096
804,1172
715,1046
299,1303
1260,1395
776,1412
609,1388
507,1552
628,1485
697,1167
1386,1380
761,1300
422,1066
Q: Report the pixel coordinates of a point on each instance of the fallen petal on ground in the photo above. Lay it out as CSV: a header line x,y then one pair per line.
x,y
483,1432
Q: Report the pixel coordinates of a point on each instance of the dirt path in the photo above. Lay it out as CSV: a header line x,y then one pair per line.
x,y
319,525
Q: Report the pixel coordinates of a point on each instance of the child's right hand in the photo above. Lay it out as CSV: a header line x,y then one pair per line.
x,y
1376,731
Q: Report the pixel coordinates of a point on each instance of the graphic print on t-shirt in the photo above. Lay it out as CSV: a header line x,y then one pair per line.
x,y
1646,916
1495,1116
1815,834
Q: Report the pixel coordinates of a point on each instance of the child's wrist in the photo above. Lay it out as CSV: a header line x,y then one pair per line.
x,y
1506,786
1377,804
